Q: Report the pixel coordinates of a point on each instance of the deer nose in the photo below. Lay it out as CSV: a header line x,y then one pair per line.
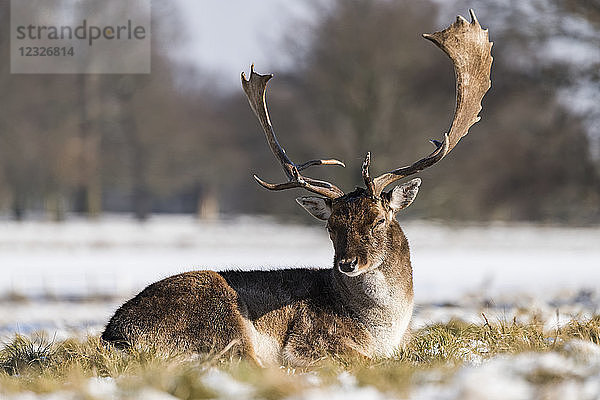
x,y
348,265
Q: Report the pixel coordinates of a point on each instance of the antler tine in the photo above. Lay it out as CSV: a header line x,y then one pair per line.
x,y
469,48
311,163
255,89
365,174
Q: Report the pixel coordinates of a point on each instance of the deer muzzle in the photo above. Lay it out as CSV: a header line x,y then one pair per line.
x,y
348,266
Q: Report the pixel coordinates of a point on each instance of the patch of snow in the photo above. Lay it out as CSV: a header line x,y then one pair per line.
x,y
95,388
523,376
491,382
341,393
225,386
60,395
346,379
148,394
102,388
583,351
61,319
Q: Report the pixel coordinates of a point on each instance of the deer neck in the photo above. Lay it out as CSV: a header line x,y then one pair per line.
x,y
382,289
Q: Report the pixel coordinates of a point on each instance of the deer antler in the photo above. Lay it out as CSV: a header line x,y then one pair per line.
x,y
469,48
255,89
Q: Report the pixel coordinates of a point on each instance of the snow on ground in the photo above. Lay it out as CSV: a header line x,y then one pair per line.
x,y
68,278
574,375
120,256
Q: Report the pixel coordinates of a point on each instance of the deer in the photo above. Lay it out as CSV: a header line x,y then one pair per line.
x,y
361,306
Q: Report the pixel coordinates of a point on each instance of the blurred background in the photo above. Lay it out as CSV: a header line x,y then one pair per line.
x,y
83,158
350,77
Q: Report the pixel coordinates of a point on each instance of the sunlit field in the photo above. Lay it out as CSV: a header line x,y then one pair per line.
x,y
502,311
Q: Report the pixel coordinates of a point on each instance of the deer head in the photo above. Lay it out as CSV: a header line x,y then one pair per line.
x,y
362,223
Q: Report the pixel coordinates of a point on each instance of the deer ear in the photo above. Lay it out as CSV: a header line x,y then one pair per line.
x,y
403,195
318,207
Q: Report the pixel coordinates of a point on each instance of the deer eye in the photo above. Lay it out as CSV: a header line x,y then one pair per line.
x,y
378,223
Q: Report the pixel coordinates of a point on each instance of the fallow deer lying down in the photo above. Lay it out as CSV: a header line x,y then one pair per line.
x,y
361,306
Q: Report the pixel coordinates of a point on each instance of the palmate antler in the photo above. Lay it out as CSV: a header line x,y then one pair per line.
x,y
468,47
255,89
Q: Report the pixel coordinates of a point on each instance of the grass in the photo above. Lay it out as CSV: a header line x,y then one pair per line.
x,y
42,365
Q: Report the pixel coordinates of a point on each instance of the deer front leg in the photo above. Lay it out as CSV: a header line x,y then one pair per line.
x,y
314,337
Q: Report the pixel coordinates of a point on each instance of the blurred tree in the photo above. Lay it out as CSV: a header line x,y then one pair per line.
x,y
73,139
372,83
34,129
364,80
368,75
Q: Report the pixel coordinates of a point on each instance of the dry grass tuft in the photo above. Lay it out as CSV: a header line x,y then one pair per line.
x,y
42,365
